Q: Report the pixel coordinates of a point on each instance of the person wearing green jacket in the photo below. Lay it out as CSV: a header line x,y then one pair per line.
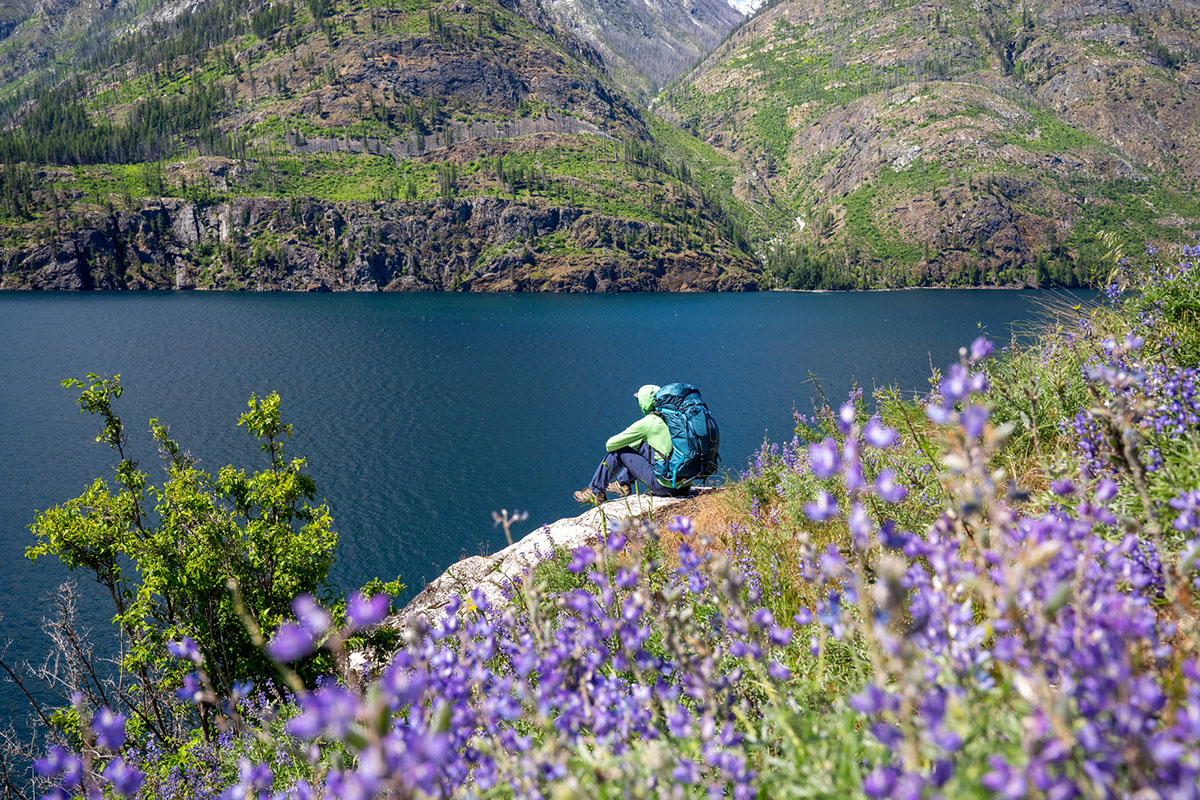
x,y
632,454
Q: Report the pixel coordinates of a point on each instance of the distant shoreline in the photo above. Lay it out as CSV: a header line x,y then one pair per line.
x,y
783,290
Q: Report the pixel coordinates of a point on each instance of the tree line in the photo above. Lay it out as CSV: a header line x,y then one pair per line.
x,y
58,130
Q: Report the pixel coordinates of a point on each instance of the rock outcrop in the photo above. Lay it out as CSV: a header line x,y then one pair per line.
x,y
465,244
493,574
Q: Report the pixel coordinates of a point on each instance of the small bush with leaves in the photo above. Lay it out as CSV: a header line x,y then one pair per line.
x,y
168,554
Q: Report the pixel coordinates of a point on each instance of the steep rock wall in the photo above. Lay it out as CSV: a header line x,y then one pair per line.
x,y
468,244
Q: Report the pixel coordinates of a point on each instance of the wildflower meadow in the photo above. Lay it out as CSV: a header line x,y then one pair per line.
x,y
989,591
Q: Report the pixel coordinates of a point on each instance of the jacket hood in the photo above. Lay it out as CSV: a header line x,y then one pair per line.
x,y
645,397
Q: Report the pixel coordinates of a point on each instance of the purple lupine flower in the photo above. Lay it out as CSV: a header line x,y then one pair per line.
x,y
615,541
829,614
1064,487
886,487
311,616
861,526
329,711
363,611
686,772
192,690
910,786
186,649
939,414
823,508
888,735
291,643
981,348
1188,504
852,473
880,782
109,729
762,618
956,385
879,436
1003,779
974,419
845,418
126,781
582,559
823,458
60,765
256,777
1189,561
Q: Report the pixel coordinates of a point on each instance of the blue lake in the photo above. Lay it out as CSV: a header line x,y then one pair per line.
x,y
421,414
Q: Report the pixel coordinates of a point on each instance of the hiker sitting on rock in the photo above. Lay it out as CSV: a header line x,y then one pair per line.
x,y
672,445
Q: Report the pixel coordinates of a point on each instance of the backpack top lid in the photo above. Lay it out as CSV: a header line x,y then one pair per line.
x,y
674,393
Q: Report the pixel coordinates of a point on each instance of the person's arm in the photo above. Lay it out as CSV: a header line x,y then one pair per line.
x,y
633,436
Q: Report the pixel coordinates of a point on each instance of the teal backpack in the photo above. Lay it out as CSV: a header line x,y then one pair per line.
x,y
694,436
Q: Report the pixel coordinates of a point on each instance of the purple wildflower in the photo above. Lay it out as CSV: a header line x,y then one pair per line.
x,y
363,611
126,781
823,458
878,436
888,490
1188,504
981,348
109,729
823,508
311,616
291,643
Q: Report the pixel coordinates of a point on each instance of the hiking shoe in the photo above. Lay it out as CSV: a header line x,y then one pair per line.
x,y
589,495
619,489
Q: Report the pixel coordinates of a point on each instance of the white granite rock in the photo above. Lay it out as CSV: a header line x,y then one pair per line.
x,y
490,573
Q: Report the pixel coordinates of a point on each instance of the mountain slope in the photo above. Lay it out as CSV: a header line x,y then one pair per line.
x,y
345,144
647,43
906,143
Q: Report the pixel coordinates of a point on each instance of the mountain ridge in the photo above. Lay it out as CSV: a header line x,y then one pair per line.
x,y
380,113
906,143
647,43
843,145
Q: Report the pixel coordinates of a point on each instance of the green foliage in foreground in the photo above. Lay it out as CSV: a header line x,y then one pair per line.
x,y
924,600
169,554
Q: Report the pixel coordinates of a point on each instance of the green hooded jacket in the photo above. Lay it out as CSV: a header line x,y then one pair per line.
x,y
650,428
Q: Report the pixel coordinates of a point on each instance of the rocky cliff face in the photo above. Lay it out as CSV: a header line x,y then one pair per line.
x,y
468,244
647,43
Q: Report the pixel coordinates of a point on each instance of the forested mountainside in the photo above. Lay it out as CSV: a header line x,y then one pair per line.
x,y
647,43
342,144
913,142
501,144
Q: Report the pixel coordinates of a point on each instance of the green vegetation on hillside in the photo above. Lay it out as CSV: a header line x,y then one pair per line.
x,y
330,102
909,144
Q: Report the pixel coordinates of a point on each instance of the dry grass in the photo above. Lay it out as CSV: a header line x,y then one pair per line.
x,y
712,514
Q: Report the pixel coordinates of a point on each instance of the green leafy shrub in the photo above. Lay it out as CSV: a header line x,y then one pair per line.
x,y
168,554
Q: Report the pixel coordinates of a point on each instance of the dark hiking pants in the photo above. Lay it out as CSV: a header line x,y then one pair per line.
x,y
628,465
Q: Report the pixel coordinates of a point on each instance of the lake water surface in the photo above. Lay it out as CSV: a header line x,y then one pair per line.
x,y
421,414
